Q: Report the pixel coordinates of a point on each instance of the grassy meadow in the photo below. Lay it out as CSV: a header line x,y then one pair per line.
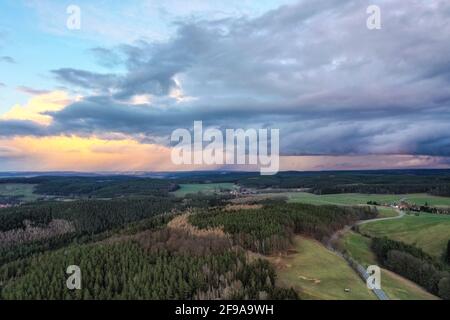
x,y
357,198
358,248
317,273
427,231
342,198
387,212
204,188
23,191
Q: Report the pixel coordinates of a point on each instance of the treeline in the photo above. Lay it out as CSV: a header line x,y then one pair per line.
x,y
381,181
413,264
127,271
441,190
104,187
447,253
429,209
97,187
270,228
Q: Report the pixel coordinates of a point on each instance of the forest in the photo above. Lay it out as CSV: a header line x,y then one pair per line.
x,y
128,248
96,186
127,271
271,227
436,182
414,264
134,239
37,227
87,216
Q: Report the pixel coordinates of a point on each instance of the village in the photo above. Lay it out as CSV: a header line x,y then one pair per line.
x,y
404,205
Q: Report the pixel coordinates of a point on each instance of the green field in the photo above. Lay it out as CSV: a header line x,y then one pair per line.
x,y
387,212
204,188
357,198
23,191
342,198
399,288
358,248
317,273
396,287
426,231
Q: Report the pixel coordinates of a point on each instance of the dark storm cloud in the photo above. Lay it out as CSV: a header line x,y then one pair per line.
x,y
10,128
312,69
101,114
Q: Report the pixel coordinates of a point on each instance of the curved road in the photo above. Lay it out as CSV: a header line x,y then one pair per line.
x,y
401,214
336,234
359,268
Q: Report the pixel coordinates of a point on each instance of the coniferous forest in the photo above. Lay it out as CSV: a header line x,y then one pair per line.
x,y
126,248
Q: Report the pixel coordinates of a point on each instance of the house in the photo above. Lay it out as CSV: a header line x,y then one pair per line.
x,y
404,206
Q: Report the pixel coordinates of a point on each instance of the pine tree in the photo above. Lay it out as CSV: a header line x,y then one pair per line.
x,y
448,252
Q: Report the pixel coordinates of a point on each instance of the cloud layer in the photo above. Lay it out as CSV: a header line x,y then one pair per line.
x,y
313,69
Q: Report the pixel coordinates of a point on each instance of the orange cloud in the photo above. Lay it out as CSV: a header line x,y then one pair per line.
x,y
52,101
85,154
90,154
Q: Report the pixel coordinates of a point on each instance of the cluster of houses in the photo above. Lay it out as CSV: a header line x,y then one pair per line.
x,y
242,191
402,205
405,206
411,207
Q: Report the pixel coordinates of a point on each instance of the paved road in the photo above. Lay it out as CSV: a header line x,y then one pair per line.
x,y
335,236
401,214
381,295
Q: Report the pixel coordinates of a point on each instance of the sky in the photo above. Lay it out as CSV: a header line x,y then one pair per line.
x,y
107,96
